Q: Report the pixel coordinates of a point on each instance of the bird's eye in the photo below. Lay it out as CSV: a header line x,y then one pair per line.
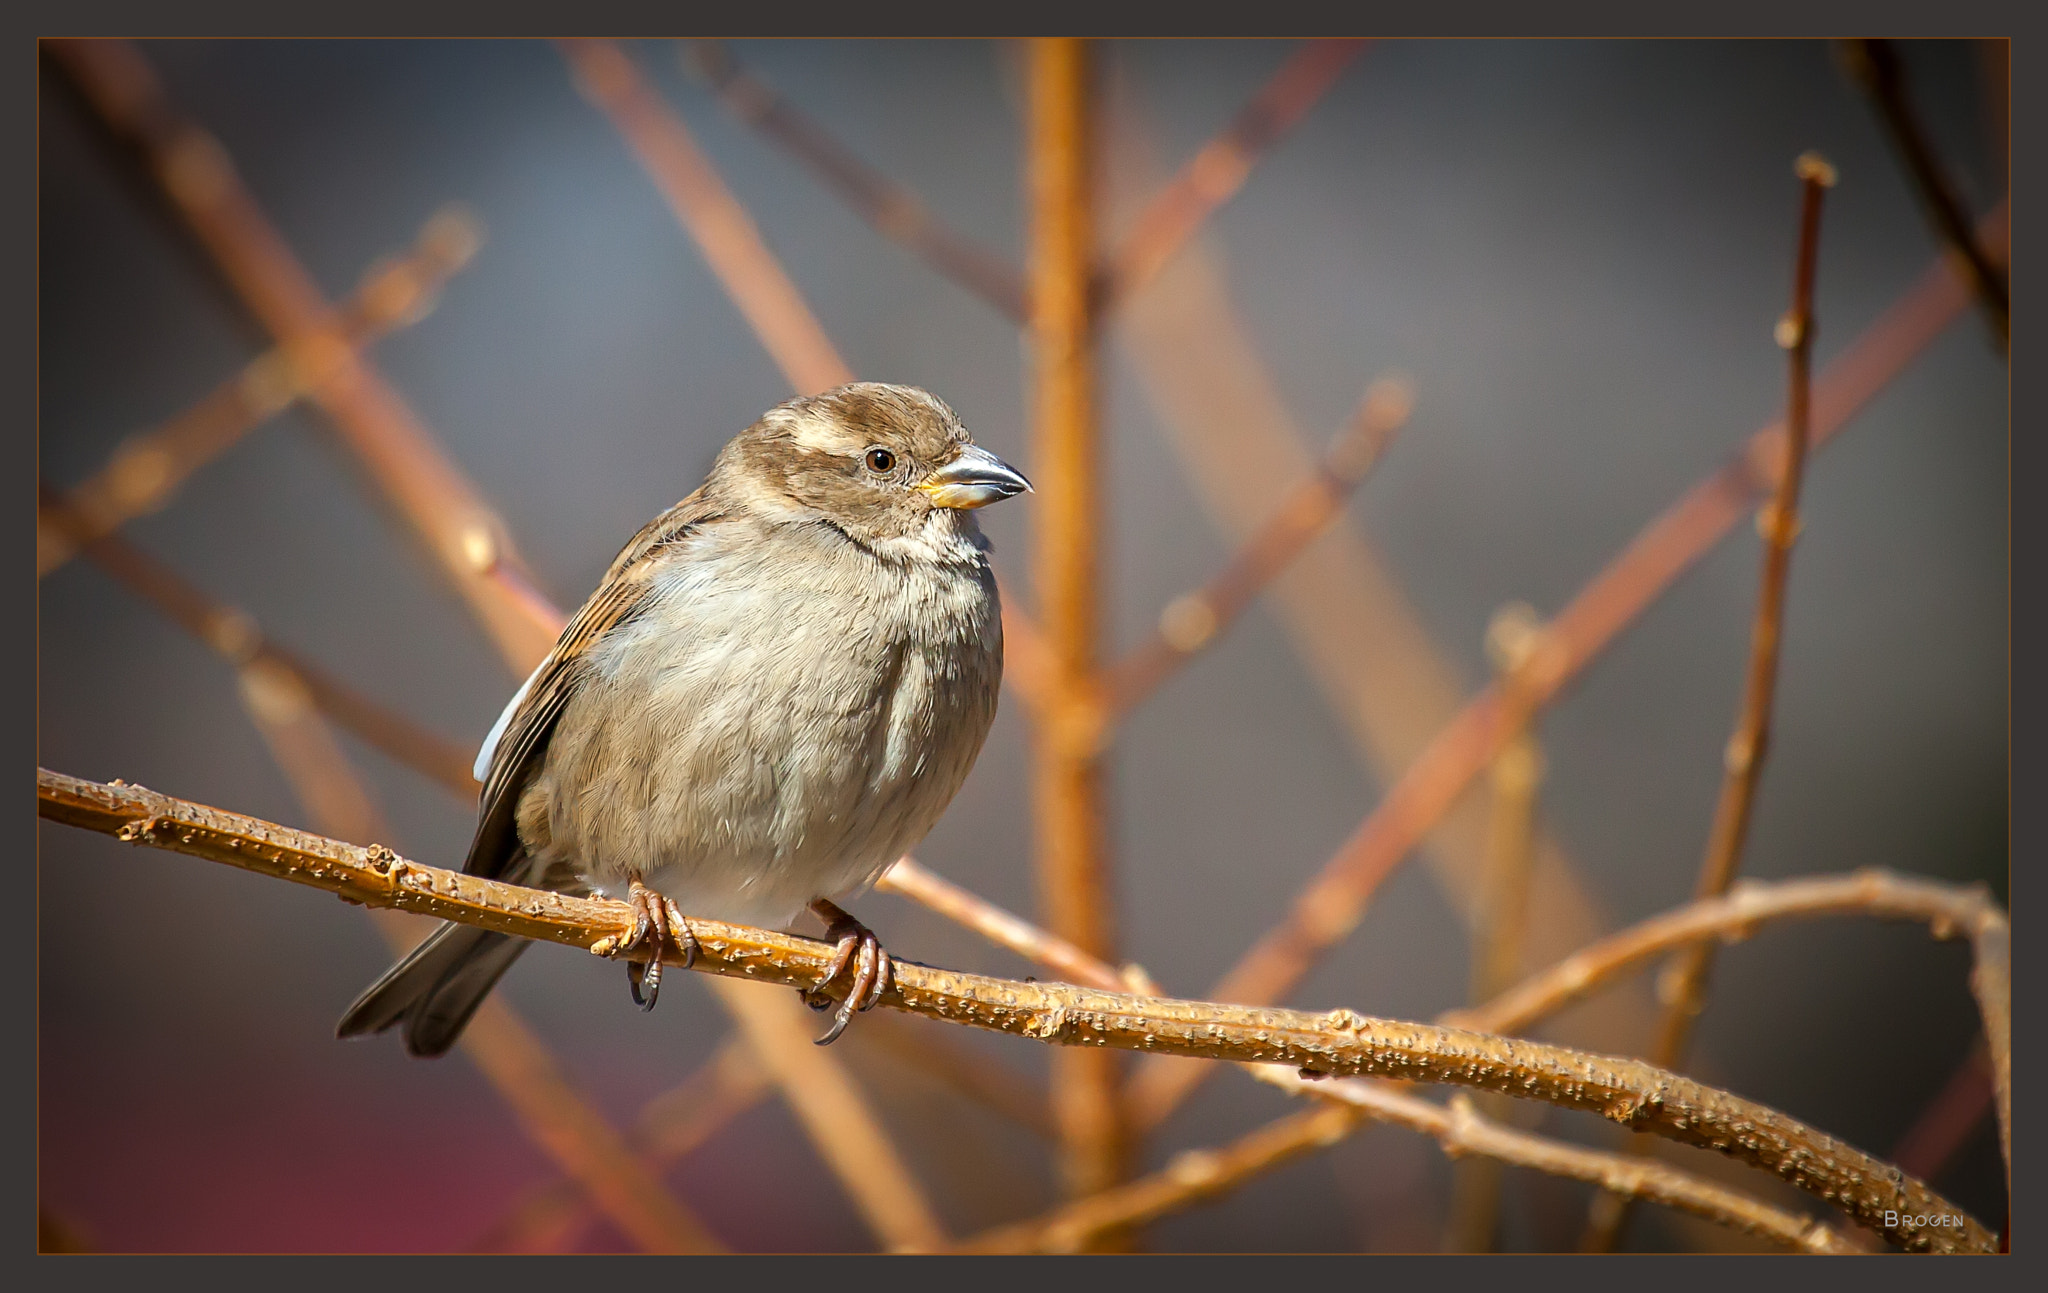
x,y
881,461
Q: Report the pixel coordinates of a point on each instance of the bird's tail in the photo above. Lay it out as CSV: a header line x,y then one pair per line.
x,y
435,989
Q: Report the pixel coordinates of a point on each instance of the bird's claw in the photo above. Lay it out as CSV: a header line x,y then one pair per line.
x,y
874,971
655,921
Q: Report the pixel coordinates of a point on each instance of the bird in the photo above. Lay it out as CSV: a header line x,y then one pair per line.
x,y
774,692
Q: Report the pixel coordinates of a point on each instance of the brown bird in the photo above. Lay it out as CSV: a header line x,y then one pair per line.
x,y
773,694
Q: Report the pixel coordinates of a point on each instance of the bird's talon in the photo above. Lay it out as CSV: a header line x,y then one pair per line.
x,y
873,970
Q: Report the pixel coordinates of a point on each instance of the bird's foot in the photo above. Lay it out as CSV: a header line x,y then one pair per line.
x,y
655,921
873,969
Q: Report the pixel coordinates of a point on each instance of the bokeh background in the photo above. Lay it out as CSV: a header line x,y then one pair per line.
x,y
1576,251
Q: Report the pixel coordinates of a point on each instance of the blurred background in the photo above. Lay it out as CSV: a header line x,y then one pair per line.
x,y
1575,251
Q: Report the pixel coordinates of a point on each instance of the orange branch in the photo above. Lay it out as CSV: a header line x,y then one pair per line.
x,y
460,530
723,230
147,468
1193,621
1334,901
1219,169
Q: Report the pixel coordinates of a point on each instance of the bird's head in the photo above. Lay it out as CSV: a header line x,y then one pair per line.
x,y
883,463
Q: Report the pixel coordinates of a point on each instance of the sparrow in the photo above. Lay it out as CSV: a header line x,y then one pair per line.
x,y
773,694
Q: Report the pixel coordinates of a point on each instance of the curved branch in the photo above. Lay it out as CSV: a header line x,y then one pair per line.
x,y
1338,1043
1949,909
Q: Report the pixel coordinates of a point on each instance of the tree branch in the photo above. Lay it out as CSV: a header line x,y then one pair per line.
x,y
1193,621
1338,1043
1336,898
148,467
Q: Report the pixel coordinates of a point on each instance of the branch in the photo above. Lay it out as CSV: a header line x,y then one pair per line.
x,y
237,638
459,528
1335,900
724,232
1197,1175
1192,621
1338,1043
1874,64
889,208
842,1125
550,1218
1219,169
148,467
1685,990
1948,1119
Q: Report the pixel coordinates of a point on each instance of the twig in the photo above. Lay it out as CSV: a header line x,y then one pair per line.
x,y
460,530
1338,1043
1875,66
724,232
1218,170
888,207
1006,929
1460,1129
148,467
1684,987
1197,1175
841,1123
1502,918
1334,901
1949,1118
1193,621
1067,774
550,1218
238,639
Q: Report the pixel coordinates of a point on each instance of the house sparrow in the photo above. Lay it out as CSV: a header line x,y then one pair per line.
x,y
772,695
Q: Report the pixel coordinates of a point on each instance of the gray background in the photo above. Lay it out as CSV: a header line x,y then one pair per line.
x,y
1576,249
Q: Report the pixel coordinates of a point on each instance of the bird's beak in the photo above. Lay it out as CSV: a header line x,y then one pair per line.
x,y
975,479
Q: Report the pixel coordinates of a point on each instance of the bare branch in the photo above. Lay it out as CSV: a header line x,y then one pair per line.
x,y
1005,929
1684,990
459,528
888,207
237,638
723,230
1219,169
148,467
835,1113
1337,1043
1875,66
1193,621
549,1218
1335,900
1197,1175
1946,1123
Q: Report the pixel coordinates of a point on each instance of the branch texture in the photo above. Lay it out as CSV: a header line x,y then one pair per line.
x,y
1338,1043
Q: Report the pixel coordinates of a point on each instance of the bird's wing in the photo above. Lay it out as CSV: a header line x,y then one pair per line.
x,y
514,750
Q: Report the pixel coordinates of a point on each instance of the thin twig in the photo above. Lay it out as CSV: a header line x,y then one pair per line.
x,y
724,232
551,1218
147,468
1875,66
841,1123
462,533
1335,899
1502,919
888,207
1005,929
1192,621
1067,788
1219,169
1683,989
1460,1129
237,638
1197,1175
1338,1043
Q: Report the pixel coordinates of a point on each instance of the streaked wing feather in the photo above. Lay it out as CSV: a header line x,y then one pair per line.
x,y
523,745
